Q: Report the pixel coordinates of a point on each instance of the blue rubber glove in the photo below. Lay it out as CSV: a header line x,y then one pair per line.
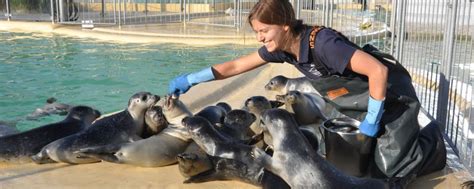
x,y
371,124
183,83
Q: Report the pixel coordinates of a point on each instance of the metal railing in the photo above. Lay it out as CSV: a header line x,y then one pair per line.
x,y
432,38
435,41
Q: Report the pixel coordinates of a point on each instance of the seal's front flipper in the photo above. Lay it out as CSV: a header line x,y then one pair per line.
x,y
42,157
106,153
203,177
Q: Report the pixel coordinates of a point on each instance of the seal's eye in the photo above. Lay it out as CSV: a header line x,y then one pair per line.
x,y
144,97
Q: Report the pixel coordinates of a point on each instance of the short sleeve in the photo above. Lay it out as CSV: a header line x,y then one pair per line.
x,y
334,50
271,56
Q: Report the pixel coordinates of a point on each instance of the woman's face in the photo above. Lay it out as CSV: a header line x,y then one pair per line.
x,y
272,36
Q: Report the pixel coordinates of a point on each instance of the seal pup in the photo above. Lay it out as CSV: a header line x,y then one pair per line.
x,y
20,146
214,114
194,160
256,105
218,145
120,127
158,150
155,121
51,107
283,85
297,163
227,159
307,108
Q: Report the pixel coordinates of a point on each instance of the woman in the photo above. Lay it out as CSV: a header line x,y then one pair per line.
x,y
320,53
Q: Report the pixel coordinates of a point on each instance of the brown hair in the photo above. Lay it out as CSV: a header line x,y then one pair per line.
x,y
275,12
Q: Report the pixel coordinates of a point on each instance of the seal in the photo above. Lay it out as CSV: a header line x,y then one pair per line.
x,y
17,148
194,160
236,126
117,128
158,150
51,107
256,105
155,121
297,163
214,114
283,85
230,159
306,107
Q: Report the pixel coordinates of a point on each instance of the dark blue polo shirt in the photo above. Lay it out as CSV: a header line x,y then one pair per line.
x,y
331,49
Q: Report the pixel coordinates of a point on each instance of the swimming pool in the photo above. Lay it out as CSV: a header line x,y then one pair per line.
x,y
34,67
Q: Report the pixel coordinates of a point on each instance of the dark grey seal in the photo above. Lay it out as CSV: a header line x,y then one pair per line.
x,y
124,126
7,130
297,163
229,158
308,108
158,150
214,114
283,85
51,107
20,146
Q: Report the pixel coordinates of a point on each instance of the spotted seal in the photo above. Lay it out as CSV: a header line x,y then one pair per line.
x,y
230,159
215,114
155,121
307,108
120,127
256,105
158,150
20,146
297,163
283,85
235,126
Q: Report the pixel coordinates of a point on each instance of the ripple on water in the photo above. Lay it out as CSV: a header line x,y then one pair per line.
x,y
34,67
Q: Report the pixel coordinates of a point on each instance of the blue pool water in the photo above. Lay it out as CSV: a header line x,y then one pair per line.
x,y
34,67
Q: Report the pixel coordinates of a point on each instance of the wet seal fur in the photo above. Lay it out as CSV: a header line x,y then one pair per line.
x,y
215,114
20,146
158,150
307,108
121,127
297,163
283,85
51,107
235,126
231,159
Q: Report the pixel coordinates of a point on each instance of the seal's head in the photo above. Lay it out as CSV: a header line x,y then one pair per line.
x,y
257,104
203,133
84,113
141,101
277,83
155,119
291,97
173,107
239,118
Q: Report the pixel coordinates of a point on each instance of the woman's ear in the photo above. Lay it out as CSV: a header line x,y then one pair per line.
x,y
286,27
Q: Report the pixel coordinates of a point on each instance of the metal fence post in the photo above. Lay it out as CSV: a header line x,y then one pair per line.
x,y
401,13
446,65
52,11
393,17
9,15
297,6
